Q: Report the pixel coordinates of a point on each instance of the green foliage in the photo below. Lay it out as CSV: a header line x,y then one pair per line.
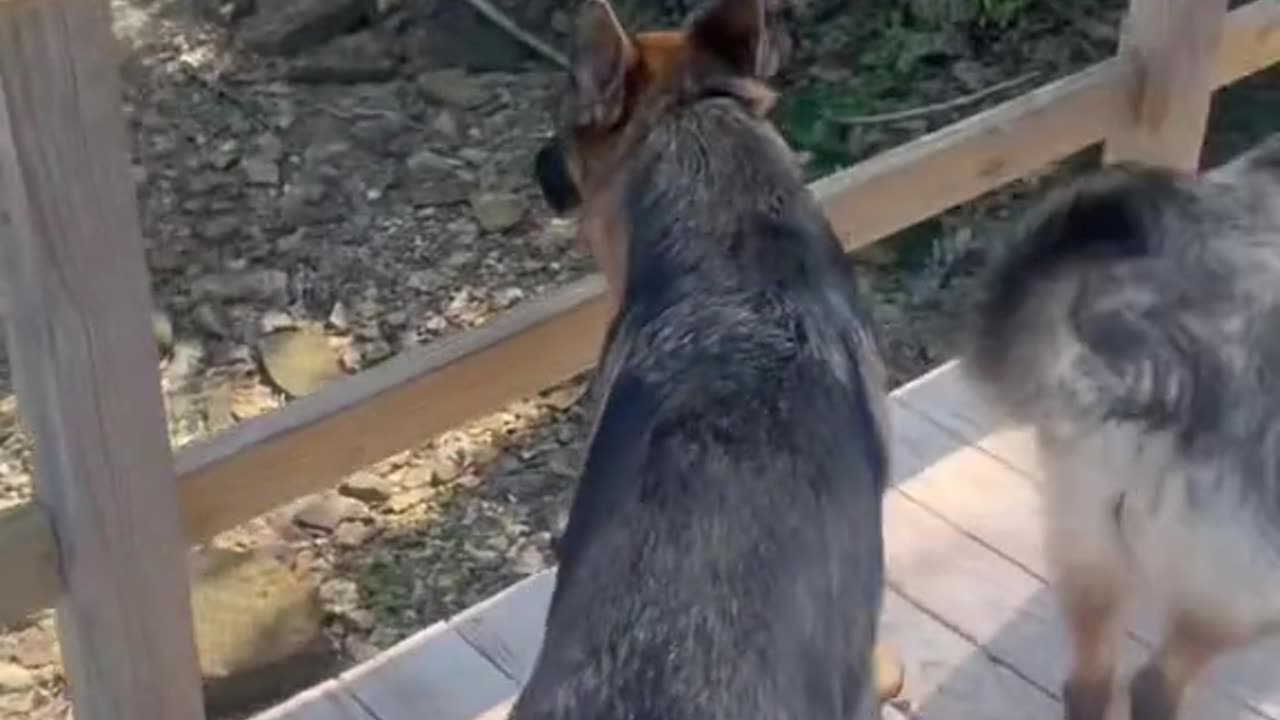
x,y
1001,13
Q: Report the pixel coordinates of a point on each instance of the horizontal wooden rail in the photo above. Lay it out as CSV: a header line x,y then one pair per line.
x,y
314,442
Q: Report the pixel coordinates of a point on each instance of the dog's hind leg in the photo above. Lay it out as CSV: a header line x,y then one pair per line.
x,y
1092,603
1189,644
888,672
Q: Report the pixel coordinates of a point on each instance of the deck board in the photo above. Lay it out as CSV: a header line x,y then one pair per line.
x,y
961,488
326,701
435,674
968,604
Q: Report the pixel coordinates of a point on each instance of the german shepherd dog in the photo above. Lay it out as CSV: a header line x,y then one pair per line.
x,y
723,554
1135,325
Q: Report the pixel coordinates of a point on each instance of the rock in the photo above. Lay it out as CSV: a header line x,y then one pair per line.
x,y
219,228
429,163
15,678
339,595
357,58
162,330
285,27
259,285
340,317
496,212
259,629
210,319
529,560
446,123
329,511
425,280
407,500
447,191
276,320
299,362
305,205
261,171
353,534
453,87
366,487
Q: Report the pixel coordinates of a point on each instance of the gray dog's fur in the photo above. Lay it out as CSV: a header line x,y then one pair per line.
x,y
1135,325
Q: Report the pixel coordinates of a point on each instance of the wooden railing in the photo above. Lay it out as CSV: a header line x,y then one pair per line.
x,y
106,537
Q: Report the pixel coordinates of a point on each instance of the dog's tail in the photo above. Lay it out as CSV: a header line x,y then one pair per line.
x,y
1023,311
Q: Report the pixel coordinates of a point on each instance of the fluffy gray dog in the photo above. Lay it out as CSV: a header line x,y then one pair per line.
x,y
1135,325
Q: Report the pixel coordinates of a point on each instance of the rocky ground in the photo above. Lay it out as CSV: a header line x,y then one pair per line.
x,y
325,183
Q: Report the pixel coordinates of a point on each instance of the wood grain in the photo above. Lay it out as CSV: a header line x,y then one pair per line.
x,y
326,701
1172,47
85,367
434,674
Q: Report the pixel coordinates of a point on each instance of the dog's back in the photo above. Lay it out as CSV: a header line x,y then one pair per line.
x,y
1136,325
723,555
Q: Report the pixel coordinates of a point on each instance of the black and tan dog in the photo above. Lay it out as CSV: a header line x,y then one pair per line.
x,y
723,555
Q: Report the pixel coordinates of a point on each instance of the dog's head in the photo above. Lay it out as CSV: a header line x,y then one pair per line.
x,y
621,85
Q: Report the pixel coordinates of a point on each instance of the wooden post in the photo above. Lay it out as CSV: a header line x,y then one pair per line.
x,y
1172,47
85,365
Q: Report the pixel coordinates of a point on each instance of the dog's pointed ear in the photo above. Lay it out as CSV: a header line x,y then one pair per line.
x,y
603,58
736,32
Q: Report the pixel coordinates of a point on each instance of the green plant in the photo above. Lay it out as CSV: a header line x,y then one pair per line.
x,y
1002,13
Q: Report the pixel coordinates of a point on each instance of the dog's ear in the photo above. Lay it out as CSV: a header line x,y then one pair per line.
x,y
736,32
603,58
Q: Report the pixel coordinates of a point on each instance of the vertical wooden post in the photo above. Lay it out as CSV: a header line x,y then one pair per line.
x,y
85,365
1173,48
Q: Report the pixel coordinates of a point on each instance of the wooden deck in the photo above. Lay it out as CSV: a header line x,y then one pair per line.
x,y
967,604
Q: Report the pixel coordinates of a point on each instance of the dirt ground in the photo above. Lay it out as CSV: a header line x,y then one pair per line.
x,y
319,194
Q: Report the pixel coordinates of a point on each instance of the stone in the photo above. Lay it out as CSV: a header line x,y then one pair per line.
x,y
14,678
407,500
357,58
276,320
210,319
305,205
446,191
260,285
261,171
428,162
453,87
327,512
219,228
366,487
339,595
299,362
340,317
259,629
353,534
286,27
496,212
162,330
446,124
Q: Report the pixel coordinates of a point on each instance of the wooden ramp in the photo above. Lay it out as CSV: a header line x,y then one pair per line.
x,y
967,605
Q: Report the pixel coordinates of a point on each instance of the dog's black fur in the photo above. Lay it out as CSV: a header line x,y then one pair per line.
x,y
723,556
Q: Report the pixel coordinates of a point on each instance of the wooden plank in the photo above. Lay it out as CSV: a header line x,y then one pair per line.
x,y
326,701
948,398
435,674
251,469
508,627
1251,43
1173,49
85,366
947,677
905,185
997,604
1002,509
